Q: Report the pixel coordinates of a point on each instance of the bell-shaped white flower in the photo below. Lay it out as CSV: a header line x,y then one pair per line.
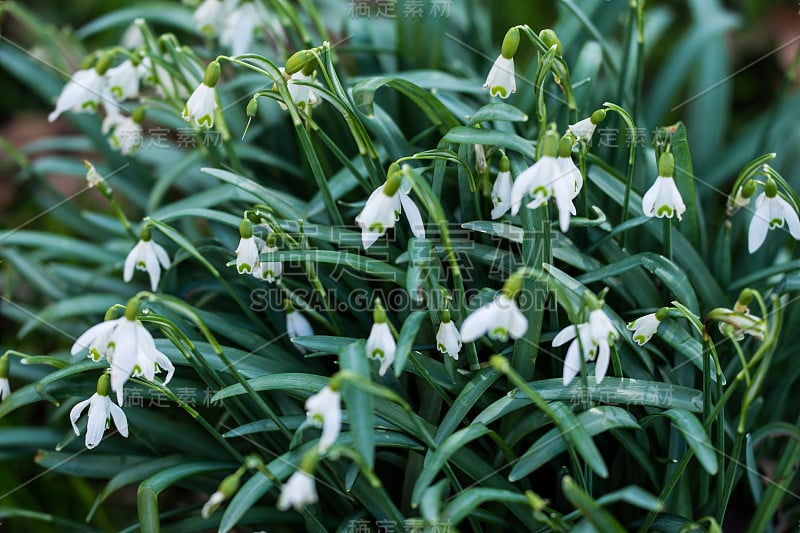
x,y
378,215
297,326
299,491
212,504
413,215
201,106
566,187
82,93
584,129
127,346
122,81
304,96
146,256
501,81
536,181
101,411
125,133
501,190
593,340
239,27
380,343
324,409
448,339
499,319
663,199
247,255
209,17
771,212
644,328
269,271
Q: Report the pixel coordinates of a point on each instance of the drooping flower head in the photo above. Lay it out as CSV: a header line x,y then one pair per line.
x,y
739,321
146,256
127,346
269,271
380,343
5,387
227,488
85,90
448,339
501,81
543,179
567,184
663,199
584,129
299,491
590,340
296,324
101,411
645,327
500,318
247,251
384,206
202,104
324,409
771,212
501,190
122,81
209,17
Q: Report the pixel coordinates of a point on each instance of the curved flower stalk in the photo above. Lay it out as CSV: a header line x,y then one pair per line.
x,y
591,339
448,339
500,318
202,104
501,81
772,211
101,411
324,409
383,209
380,343
146,256
663,199
127,346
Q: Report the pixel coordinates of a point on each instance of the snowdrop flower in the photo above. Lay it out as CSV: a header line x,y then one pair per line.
x,y
82,93
500,318
227,488
567,185
543,179
127,346
93,177
584,129
383,209
122,81
771,212
645,327
297,325
5,387
324,409
739,321
500,80
480,159
663,199
594,339
302,95
202,104
101,411
448,339
247,251
501,190
380,343
269,271
208,17
146,256
239,27
298,492
126,132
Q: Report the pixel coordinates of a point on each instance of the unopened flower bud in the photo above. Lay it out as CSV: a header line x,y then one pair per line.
x,y
297,61
549,38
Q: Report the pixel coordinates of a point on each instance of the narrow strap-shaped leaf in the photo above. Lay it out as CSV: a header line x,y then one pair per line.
x,y
360,403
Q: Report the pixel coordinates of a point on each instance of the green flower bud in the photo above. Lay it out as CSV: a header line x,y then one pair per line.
x,y
510,43
245,228
598,116
229,485
393,181
104,384
662,314
771,188
212,74
138,114
666,165
749,188
297,61
551,143
252,107
104,63
379,313
549,38
505,164
145,234
565,146
745,297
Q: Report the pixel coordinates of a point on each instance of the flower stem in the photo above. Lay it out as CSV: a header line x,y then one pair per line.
x,y
668,238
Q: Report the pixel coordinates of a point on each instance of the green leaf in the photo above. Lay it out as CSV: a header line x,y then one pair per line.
x,y
359,402
589,508
497,111
469,395
289,382
324,344
472,499
696,437
549,445
467,135
285,205
406,338
83,306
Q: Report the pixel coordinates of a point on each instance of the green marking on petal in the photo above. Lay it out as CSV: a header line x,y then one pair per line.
x,y
318,419
540,190
501,333
205,120
376,227
116,90
775,223
377,353
244,267
499,90
641,339
665,210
